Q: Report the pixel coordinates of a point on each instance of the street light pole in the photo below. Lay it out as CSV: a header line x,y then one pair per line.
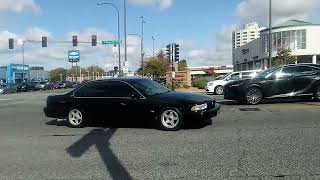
x,y
270,33
153,45
142,43
23,42
119,45
125,30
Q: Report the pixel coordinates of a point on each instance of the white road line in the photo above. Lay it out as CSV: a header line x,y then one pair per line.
x,y
5,99
15,103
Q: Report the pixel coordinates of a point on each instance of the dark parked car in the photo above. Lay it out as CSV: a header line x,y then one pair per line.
x,y
113,99
8,88
301,80
26,86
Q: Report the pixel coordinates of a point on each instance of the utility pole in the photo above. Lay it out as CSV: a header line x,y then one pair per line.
x,y
142,44
153,45
125,31
270,33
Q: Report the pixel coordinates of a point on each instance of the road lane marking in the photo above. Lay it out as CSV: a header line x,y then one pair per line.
x,y
15,103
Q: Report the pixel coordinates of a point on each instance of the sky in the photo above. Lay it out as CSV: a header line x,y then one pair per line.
x,y
202,28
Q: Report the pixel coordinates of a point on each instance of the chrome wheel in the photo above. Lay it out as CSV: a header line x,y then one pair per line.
x,y
318,93
219,90
170,119
75,117
254,96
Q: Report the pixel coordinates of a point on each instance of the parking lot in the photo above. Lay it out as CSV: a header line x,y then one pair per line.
x,y
274,140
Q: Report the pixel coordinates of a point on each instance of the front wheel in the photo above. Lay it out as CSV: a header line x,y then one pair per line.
x,y
218,90
76,118
170,119
254,96
317,94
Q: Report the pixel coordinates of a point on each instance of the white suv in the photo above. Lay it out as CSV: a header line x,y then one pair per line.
x,y
216,86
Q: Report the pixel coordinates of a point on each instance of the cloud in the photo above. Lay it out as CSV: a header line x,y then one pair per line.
x,y
160,4
19,6
283,10
55,55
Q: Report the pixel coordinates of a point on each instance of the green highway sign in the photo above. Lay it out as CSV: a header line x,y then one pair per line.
x,y
111,42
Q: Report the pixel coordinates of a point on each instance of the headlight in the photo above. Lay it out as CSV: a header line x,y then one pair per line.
x,y
199,107
209,84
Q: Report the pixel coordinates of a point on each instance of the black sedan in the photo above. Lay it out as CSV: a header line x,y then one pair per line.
x,y
301,80
137,98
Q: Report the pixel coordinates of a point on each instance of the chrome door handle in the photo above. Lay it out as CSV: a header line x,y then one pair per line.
x,y
123,104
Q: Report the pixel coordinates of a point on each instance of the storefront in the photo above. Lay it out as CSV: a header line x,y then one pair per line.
x,y
16,73
298,36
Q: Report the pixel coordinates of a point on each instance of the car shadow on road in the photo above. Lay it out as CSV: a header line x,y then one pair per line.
x,y
269,101
101,139
144,124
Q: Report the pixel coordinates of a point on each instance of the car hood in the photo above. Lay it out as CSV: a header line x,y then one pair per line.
x,y
218,82
179,97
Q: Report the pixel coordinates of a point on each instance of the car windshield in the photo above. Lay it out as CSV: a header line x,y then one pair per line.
x,y
221,77
267,72
150,88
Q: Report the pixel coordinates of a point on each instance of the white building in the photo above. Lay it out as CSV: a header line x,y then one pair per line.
x,y
250,32
299,36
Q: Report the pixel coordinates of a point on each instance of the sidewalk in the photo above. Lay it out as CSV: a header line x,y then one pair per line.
x,y
191,89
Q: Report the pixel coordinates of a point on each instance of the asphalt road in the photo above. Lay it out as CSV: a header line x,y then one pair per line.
x,y
277,140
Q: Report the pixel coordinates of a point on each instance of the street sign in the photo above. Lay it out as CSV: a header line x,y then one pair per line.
x,y
111,42
74,56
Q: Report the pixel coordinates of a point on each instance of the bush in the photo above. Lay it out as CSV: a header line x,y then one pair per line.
x,y
201,84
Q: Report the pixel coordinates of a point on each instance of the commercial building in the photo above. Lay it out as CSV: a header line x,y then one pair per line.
x,y
219,70
250,32
299,36
15,73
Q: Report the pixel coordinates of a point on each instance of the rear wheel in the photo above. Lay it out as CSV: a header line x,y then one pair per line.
x,y
254,96
76,118
218,90
317,94
170,119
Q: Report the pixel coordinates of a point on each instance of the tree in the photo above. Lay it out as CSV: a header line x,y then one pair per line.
x,y
182,66
210,72
284,57
57,74
157,66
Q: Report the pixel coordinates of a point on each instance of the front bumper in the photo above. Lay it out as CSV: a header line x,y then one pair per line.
x,y
54,113
204,114
233,93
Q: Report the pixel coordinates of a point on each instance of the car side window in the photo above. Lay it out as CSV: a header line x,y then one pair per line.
x,y
235,76
303,70
120,89
106,89
287,70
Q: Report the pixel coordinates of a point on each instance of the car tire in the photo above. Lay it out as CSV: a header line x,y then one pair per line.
x,y
316,94
76,118
218,90
253,96
170,119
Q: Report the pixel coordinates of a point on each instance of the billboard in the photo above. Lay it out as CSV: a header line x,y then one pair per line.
x,y
74,56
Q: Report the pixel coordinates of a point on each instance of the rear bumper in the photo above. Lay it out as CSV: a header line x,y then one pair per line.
x,y
205,114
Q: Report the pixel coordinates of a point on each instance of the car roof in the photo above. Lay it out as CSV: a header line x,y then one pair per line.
x,y
128,80
303,64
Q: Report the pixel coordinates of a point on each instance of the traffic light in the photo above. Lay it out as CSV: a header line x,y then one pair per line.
x,y
75,40
94,40
44,42
11,43
168,51
176,52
